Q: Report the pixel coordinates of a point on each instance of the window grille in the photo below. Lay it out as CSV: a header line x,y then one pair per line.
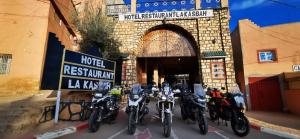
x,y
5,60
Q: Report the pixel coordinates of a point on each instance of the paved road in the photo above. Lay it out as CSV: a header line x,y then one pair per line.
x,y
153,129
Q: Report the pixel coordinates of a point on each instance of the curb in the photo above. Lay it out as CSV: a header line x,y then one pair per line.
x,y
61,132
274,132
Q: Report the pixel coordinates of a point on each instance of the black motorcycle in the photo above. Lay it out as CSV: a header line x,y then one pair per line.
x,y
193,105
104,106
137,107
229,107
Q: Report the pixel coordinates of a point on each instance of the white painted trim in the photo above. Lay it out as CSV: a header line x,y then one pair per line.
x,y
118,133
221,135
56,133
173,135
279,133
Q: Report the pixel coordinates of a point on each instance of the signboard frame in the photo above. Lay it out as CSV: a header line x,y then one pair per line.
x,y
62,75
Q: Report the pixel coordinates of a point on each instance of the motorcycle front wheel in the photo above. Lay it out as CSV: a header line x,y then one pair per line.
x,y
131,123
202,123
93,122
114,115
240,126
167,125
183,114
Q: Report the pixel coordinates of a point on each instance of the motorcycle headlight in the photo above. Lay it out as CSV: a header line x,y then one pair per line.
x,y
135,96
201,100
98,95
163,98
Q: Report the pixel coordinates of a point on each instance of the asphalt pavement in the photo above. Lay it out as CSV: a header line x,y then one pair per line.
x,y
153,129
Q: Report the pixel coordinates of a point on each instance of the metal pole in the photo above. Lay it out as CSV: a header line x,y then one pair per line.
x,y
57,106
59,89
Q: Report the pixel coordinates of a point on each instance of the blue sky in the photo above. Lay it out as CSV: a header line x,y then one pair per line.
x,y
264,12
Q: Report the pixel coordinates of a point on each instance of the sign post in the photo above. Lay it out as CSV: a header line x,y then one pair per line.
x,y
59,90
81,71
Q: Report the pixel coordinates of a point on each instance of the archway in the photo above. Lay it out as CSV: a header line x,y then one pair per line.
x,y
167,52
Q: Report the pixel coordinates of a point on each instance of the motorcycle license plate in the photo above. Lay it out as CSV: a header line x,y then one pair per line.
x,y
98,95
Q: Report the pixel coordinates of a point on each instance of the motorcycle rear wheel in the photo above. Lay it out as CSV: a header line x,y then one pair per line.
x,y
131,123
93,124
242,127
167,125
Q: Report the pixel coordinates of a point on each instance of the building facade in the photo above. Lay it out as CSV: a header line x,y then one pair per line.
x,y
200,47
266,58
24,30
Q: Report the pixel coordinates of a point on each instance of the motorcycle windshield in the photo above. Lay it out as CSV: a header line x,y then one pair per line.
x,y
136,89
198,90
103,85
235,89
166,90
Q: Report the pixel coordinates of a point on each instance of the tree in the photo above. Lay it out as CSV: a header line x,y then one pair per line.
x,y
96,30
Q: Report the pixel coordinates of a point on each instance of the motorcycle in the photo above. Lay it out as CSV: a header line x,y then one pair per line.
x,y
137,107
193,106
229,107
104,106
165,104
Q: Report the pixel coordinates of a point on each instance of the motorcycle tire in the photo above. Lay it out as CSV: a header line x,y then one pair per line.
x,y
202,123
167,125
183,114
131,123
93,124
240,129
212,115
114,115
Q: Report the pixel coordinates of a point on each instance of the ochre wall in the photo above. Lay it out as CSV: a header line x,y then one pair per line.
x,y
57,26
23,32
248,38
284,38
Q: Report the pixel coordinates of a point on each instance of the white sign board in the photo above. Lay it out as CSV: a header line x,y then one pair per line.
x,y
117,9
166,15
296,68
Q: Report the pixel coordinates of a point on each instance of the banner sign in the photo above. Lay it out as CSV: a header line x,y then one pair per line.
x,y
166,15
83,72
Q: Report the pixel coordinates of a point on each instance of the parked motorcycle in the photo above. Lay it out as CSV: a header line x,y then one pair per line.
x,y
229,107
104,106
193,105
165,104
137,107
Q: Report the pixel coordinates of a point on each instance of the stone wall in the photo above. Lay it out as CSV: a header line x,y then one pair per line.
x,y
206,33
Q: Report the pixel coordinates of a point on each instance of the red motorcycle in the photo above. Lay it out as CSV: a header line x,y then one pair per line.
x,y
228,107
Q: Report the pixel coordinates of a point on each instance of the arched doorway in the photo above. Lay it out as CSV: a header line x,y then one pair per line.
x,y
167,52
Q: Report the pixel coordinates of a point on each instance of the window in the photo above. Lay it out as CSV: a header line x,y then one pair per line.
x,y
267,56
217,70
5,60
